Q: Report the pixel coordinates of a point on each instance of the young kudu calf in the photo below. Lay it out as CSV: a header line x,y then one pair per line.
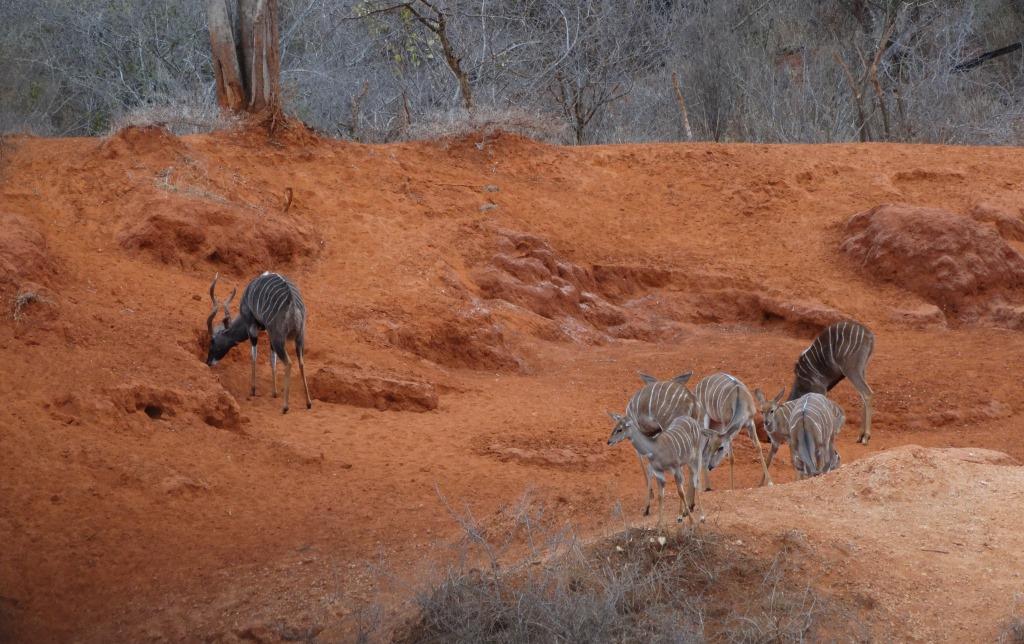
x,y
680,444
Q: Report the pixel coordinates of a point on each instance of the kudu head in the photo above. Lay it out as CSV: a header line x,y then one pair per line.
x,y
717,445
768,408
621,429
220,344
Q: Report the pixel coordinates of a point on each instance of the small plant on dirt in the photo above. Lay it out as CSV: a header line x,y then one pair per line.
x,y
1013,629
24,299
633,586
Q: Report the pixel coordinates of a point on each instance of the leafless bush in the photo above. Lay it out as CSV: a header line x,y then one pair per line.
x,y
787,71
629,587
487,121
180,116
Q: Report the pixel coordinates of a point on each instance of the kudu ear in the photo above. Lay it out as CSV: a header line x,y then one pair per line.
x,y
616,417
648,380
683,378
759,396
778,396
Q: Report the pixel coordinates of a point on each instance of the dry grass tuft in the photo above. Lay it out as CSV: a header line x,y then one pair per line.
x,y
24,299
488,122
1013,629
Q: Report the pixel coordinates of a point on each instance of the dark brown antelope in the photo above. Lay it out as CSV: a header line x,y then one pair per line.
x,y
269,303
681,443
652,409
726,402
842,350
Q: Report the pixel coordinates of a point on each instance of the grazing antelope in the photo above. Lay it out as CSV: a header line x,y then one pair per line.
x,y
269,303
727,402
814,423
810,413
652,409
681,443
842,350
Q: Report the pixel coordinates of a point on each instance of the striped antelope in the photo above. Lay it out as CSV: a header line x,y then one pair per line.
x,y
269,303
726,402
842,350
681,443
814,423
776,420
653,408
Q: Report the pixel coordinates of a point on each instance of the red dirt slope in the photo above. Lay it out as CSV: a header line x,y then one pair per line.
x,y
475,307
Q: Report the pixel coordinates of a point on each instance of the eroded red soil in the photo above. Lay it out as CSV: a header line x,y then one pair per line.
x,y
475,308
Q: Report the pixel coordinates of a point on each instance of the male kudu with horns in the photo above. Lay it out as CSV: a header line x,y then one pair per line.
x,y
269,303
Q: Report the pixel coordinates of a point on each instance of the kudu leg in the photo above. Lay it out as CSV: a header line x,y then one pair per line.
x,y
696,515
282,353
752,430
252,379
862,387
302,372
683,505
771,457
661,502
273,373
647,484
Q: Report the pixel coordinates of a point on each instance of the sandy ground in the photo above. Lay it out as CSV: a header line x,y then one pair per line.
x,y
476,306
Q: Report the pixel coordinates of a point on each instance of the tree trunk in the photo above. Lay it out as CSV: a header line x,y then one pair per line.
x,y
247,55
224,56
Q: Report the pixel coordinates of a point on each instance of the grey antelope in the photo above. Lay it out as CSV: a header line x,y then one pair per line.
x,y
810,424
269,303
776,420
681,443
726,402
652,409
842,350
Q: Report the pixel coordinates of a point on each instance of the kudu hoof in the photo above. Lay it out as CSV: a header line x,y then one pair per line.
x,y
309,405
284,410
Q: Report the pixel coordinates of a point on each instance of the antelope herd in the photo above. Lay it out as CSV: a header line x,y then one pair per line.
x,y
669,426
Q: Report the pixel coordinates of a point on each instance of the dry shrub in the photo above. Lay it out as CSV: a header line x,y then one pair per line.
x,y
487,122
180,118
1012,631
693,587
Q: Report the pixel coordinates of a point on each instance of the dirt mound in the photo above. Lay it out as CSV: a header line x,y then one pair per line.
x,y
228,236
139,141
527,275
734,305
24,256
351,385
525,271
910,472
215,408
1008,225
467,337
953,261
